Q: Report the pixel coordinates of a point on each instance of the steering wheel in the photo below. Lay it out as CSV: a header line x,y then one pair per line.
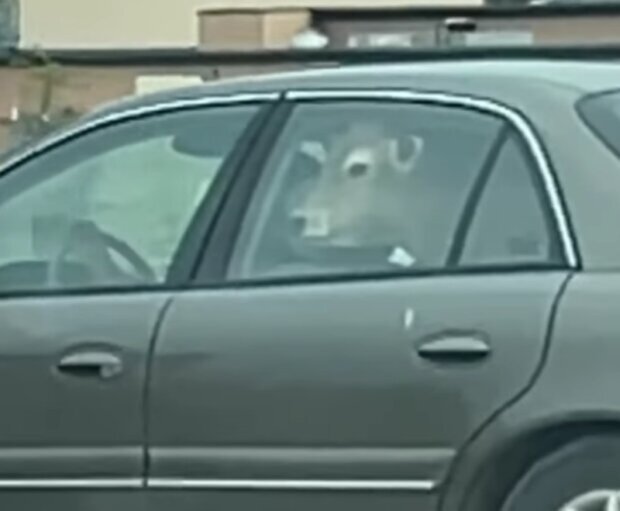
x,y
92,246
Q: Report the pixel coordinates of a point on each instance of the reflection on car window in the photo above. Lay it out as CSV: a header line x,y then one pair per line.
x,y
363,187
111,208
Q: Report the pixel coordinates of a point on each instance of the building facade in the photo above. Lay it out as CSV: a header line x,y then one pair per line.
x,y
214,25
9,23
156,23
109,23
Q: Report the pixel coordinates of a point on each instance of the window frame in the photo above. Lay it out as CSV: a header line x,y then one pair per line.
x,y
226,234
188,254
478,193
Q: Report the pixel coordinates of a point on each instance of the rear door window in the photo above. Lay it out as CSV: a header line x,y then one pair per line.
x,y
365,187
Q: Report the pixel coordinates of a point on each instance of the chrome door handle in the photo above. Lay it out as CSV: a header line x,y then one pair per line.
x,y
455,348
91,364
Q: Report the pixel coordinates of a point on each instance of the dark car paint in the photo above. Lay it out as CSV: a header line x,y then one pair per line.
x,y
193,500
257,426
329,378
576,392
58,426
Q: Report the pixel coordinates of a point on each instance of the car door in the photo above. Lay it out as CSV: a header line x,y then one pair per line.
x,y
390,288
93,237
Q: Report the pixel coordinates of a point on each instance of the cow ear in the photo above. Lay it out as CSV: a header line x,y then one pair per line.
x,y
405,152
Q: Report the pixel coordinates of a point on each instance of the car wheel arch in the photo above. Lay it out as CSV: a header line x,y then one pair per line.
x,y
481,483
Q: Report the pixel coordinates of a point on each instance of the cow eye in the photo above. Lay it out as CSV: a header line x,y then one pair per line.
x,y
357,170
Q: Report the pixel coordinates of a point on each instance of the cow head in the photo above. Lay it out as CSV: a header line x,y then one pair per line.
x,y
361,197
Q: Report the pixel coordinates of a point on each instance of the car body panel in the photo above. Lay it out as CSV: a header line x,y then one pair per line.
x,y
60,425
322,382
506,81
576,388
197,500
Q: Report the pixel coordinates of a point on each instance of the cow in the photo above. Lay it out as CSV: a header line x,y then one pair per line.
x,y
363,195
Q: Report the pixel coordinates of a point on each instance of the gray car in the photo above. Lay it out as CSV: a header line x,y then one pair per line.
x,y
390,287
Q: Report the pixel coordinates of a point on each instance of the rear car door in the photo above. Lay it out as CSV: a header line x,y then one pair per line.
x,y
93,238
389,289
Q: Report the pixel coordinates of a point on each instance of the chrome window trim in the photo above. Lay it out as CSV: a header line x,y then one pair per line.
x,y
136,113
514,117
293,484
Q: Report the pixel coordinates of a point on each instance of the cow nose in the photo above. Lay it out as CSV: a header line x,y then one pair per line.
x,y
315,222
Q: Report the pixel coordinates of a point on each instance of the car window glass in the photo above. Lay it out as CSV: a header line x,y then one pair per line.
x,y
601,113
509,225
111,207
363,187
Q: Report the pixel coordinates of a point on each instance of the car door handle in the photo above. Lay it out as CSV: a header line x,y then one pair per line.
x,y
91,364
455,348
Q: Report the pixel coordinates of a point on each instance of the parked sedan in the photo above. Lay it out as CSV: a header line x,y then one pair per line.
x,y
376,288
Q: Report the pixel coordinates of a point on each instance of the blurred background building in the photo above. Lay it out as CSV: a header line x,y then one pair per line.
x,y
34,99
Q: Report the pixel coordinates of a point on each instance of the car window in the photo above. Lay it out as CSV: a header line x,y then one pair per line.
x,y
601,113
510,225
111,207
363,187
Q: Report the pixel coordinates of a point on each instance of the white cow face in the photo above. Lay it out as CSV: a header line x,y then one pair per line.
x,y
362,194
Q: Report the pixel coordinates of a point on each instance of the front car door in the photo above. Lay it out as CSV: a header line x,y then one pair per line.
x,y
93,236
389,290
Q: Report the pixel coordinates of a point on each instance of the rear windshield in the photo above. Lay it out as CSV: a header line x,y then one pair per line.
x,y
601,112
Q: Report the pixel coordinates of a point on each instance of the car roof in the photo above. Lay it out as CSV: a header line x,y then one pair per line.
x,y
528,84
506,81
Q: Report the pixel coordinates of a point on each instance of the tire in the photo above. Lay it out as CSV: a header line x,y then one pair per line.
x,y
579,470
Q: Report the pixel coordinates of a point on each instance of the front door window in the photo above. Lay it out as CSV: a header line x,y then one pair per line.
x,y
111,208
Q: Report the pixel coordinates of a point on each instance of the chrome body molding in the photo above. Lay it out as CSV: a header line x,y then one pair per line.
x,y
330,485
514,118
71,484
